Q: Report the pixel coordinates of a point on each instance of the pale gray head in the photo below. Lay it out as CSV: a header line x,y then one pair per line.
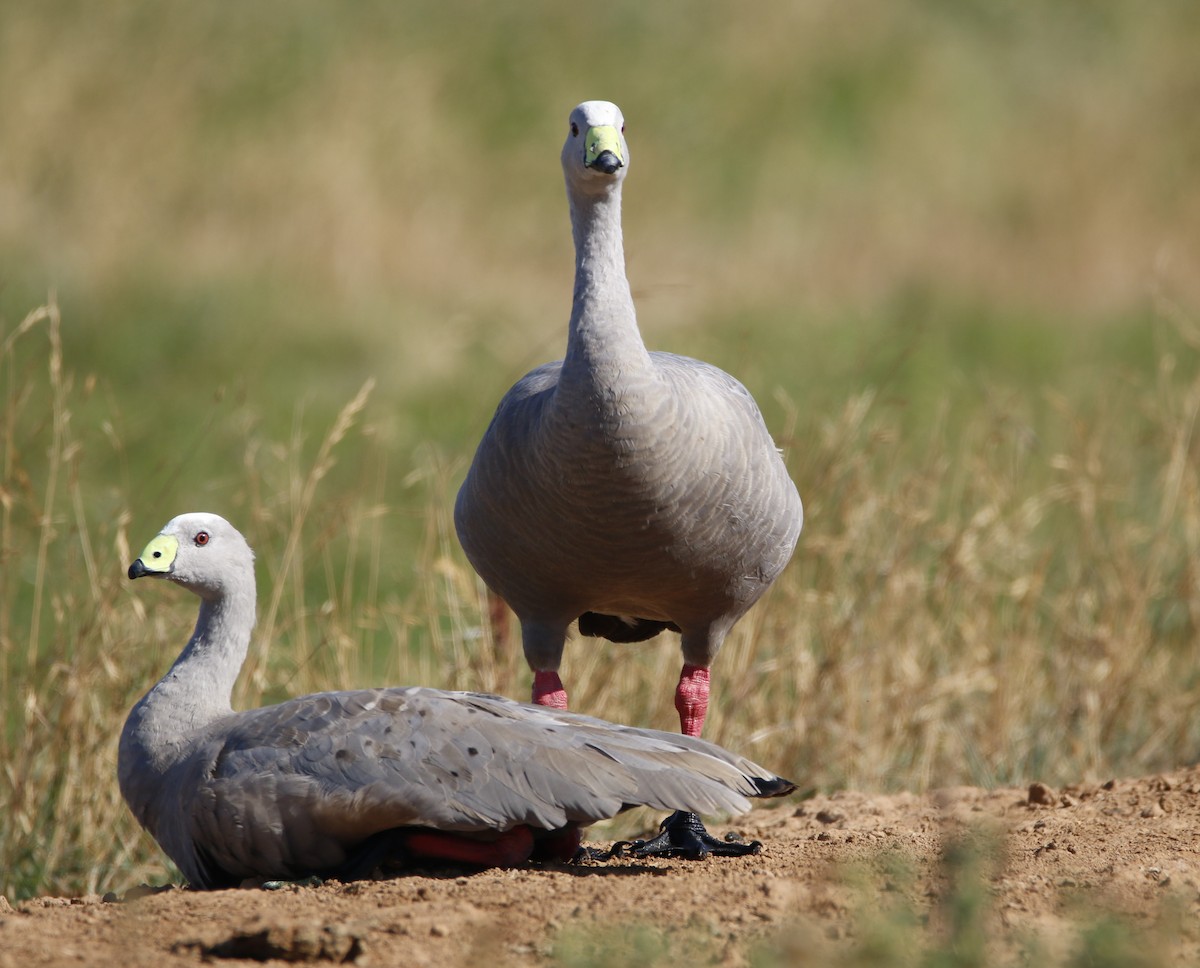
x,y
202,552
595,156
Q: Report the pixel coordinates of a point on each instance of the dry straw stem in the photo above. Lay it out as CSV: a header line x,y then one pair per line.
x,y
303,491
56,742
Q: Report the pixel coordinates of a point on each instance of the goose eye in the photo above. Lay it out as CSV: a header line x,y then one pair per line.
x,y
201,539
622,127
574,130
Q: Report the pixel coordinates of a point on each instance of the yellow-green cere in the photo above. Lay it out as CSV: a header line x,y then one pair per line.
x,y
160,553
603,137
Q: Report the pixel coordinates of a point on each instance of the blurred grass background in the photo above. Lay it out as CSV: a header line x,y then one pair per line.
x,y
951,247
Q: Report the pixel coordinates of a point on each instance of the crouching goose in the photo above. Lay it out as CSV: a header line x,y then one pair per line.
x,y
633,491
342,783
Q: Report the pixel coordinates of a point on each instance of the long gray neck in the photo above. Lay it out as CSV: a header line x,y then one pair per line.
x,y
604,346
198,688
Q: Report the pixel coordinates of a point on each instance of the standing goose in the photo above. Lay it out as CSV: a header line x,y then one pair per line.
x,y
338,783
633,491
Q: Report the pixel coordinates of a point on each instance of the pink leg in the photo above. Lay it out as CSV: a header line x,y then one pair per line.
x,y
511,849
548,689
691,699
682,834
561,845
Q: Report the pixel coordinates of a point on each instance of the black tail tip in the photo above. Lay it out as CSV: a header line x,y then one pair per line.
x,y
774,786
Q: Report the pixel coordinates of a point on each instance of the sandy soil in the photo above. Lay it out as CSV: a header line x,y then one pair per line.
x,y
830,868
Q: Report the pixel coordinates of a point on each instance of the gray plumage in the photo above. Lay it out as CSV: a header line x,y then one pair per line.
x,y
297,788
620,484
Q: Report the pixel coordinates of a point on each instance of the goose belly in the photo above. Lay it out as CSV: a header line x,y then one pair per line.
x,y
629,534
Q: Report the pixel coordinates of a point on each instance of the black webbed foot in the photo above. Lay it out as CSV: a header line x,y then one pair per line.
x,y
683,835
592,855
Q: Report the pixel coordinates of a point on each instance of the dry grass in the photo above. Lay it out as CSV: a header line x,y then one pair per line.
x,y
1014,599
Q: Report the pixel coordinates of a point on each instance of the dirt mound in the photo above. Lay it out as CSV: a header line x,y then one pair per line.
x,y
1037,864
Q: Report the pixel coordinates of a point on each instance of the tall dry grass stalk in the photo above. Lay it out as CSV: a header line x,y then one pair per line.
x,y
1008,593
61,619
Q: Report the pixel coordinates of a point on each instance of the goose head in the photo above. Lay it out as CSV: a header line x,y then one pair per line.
x,y
595,156
202,552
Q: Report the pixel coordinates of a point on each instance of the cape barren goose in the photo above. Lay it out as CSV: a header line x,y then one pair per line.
x,y
341,783
633,491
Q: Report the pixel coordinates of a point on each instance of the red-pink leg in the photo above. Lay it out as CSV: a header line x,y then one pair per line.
x,y
691,699
511,849
560,845
548,689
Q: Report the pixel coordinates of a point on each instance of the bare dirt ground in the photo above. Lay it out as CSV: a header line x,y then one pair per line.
x,y
832,866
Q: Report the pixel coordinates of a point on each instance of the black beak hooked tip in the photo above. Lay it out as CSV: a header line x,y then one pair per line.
x,y
607,162
137,569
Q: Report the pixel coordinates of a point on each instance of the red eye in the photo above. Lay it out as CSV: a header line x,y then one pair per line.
x,y
574,130
201,539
